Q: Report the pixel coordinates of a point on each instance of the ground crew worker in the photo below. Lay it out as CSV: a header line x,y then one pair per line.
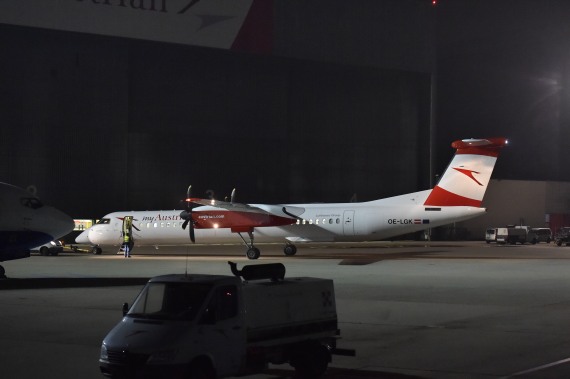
x,y
126,244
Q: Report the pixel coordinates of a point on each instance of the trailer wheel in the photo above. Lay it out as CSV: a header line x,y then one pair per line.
x,y
311,361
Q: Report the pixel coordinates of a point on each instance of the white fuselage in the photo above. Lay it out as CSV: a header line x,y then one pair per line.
x,y
374,220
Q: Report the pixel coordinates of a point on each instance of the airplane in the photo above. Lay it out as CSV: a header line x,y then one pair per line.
x,y
25,223
458,196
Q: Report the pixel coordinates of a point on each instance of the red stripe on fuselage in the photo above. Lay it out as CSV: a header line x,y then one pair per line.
x,y
441,197
237,220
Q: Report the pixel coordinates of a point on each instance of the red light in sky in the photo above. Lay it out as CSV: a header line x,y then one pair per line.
x,y
434,2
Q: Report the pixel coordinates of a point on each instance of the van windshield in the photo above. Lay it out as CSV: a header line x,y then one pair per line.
x,y
170,301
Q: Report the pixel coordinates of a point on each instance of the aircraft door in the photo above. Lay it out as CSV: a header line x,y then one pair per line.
x,y
348,223
127,233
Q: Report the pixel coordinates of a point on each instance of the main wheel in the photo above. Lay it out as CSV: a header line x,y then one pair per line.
x,y
253,253
311,361
290,249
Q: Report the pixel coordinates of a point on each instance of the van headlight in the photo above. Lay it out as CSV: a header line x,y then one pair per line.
x,y
104,355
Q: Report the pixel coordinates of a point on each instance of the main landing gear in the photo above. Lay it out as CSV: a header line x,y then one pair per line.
x,y
254,253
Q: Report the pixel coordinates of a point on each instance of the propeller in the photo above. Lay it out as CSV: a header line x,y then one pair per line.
x,y
186,215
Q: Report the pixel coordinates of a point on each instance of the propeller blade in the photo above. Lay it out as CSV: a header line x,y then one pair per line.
x,y
188,196
192,237
186,215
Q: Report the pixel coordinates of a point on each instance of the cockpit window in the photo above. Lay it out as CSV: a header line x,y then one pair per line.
x,y
31,202
104,221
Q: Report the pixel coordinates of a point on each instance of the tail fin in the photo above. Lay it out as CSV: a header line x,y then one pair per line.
x,y
466,178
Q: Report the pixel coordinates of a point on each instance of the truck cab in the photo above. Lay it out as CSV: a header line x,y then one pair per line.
x,y
491,235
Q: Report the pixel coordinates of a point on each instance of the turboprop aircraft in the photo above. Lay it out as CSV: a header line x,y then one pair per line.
x,y
457,197
25,222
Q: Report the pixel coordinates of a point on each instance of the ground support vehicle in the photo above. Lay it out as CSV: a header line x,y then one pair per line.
x,y
563,237
511,235
50,248
491,235
536,235
214,326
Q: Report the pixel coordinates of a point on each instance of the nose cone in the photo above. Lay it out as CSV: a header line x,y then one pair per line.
x,y
56,223
83,237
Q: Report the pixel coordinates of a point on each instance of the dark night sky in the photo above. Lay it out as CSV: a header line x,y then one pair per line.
x,y
502,71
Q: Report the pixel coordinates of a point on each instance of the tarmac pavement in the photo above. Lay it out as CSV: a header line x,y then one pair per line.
x,y
411,310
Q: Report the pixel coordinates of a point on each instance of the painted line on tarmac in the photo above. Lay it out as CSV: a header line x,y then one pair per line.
x,y
539,368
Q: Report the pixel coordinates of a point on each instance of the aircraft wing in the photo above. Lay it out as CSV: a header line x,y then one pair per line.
x,y
276,210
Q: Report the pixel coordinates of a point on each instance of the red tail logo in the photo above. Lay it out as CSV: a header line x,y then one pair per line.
x,y
469,173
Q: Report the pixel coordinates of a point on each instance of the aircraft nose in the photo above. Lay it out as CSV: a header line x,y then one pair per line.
x,y
83,237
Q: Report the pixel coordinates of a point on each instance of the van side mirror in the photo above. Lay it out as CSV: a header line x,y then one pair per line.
x,y
125,308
